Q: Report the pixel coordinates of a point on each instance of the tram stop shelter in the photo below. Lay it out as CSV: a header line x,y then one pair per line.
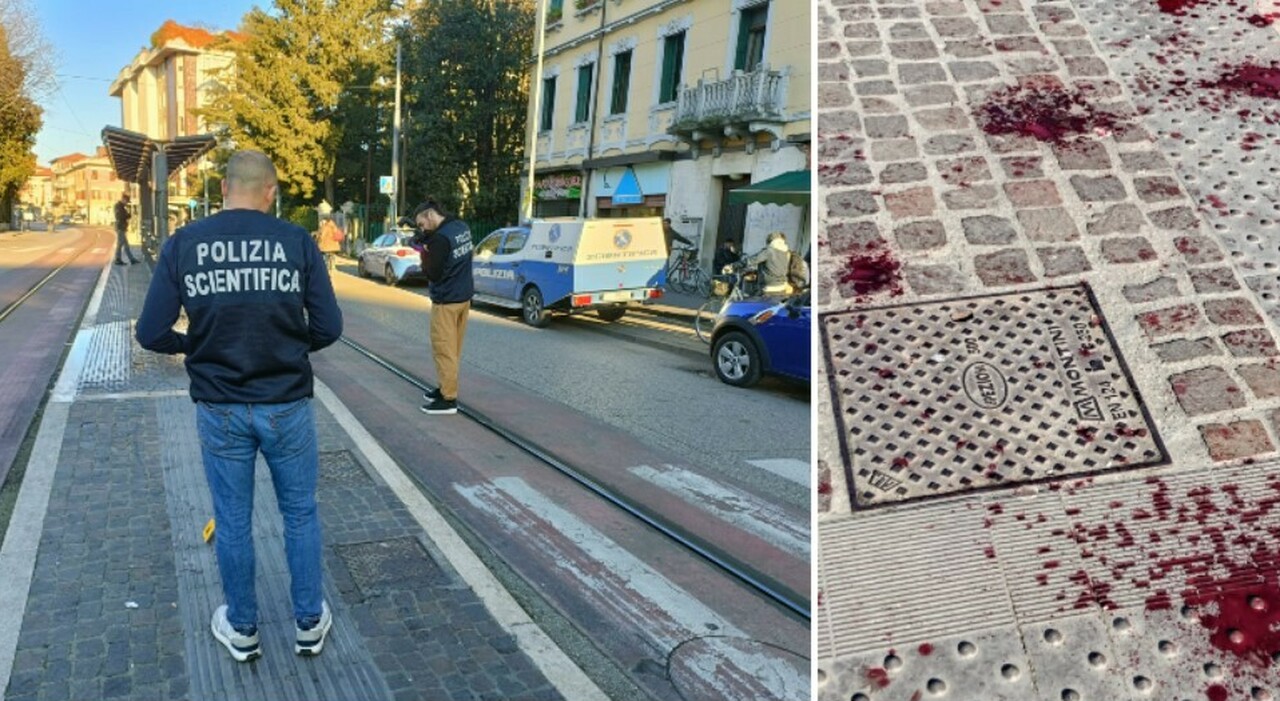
x,y
149,163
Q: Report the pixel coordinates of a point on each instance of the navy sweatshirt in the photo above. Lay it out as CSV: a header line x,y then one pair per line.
x,y
258,299
446,260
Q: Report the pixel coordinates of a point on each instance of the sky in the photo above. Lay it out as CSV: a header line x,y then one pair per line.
x,y
92,41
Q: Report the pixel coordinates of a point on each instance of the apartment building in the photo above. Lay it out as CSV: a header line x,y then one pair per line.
x,y
36,194
663,107
85,187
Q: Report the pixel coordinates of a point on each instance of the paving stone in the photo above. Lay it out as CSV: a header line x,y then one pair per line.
x,y
970,197
960,171
1206,390
878,105
1098,89
1175,219
844,174
1011,143
967,48
1131,133
1033,193
894,150
1141,161
1136,249
1157,189
1087,66
916,202
999,6
1022,167
922,235
973,71
1048,225
988,230
909,172
1170,321
1250,343
1198,250
916,73
927,95
829,49
934,279
853,14
945,119
908,30
1082,155
1117,219
862,30
841,122
1106,188
948,144
834,95
852,203
861,49
1159,288
1063,29
955,27
875,88
1211,280
913,50
898,12
945,8
1263,379
1007,267
886,127
869,67
1054,14
1066,260
1074,48
1182,349
833,73
1008,24
1231,312
1026,44
1236,440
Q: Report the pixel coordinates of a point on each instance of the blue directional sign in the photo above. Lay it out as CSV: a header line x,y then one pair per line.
x,y
628,190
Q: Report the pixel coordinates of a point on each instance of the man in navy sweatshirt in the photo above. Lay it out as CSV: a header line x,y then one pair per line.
x,y
446,260
258,300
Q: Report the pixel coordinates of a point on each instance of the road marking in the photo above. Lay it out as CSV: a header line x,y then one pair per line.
x,y
797,471
768,521
625,589
555,665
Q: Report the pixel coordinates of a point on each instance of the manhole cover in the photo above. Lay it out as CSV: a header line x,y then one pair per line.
x,y
382,566
340,467
962,394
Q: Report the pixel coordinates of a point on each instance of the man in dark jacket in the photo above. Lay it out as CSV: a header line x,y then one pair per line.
x,y
258,300
446,261
671,235
122,226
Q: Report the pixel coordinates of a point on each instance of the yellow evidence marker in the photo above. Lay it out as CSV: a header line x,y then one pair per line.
x,y
208,531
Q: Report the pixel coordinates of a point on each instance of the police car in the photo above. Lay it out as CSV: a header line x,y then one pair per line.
x,y
571,266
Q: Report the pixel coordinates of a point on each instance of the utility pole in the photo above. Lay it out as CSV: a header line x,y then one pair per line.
x,y
395,146
535,120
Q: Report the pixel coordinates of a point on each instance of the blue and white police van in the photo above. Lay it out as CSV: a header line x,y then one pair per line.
x,y
571,266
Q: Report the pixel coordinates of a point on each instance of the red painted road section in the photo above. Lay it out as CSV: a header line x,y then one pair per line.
x,y
33,337
596,449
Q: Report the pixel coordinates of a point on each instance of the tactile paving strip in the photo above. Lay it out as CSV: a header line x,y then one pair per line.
x,y
380,566
963,394
340,467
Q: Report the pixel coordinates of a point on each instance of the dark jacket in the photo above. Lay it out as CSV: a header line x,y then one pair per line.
x,y
446,261
122,215
671,235
258,300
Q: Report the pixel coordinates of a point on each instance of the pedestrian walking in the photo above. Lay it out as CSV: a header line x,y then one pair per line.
x,y
446,260
245,279
329,241
122,227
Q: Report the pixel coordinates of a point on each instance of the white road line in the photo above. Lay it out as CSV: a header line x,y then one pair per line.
x,y
789,531
629,592
797,471
555,665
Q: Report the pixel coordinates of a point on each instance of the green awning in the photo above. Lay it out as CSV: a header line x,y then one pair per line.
x,y
788,188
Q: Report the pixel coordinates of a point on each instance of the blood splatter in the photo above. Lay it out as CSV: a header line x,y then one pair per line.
x,y
878,677
1044,112
824,487
925,649
872,271
1177,7
1249,79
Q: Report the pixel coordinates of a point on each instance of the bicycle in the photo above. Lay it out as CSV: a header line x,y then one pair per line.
x,y
685,275
727,288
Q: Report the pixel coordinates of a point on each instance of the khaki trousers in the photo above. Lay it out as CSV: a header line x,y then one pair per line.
x,y
448,326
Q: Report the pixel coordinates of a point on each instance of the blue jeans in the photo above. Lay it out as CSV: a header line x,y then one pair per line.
x,y
230,437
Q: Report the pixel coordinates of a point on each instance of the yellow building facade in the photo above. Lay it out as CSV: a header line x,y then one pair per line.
x,y
662,107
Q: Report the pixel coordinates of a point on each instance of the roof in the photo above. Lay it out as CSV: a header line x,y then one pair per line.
x,y
195,37
131,152
791,187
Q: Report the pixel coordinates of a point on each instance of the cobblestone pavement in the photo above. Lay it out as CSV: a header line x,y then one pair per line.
x,y
973,154
123,585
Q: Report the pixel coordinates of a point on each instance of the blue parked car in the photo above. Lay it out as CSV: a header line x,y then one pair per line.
x,y
755,337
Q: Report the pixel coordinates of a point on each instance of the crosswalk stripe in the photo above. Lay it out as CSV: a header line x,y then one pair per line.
x,y
797,471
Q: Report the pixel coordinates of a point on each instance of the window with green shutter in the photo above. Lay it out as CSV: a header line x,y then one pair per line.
x,y
582,112
751,29
672,67
548,102
621,82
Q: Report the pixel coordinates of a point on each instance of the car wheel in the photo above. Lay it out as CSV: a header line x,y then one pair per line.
x,y
390,276
360,269
531,308
611,313
737,359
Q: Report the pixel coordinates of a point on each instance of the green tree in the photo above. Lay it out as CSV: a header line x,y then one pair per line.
x,y
20,121
303,88
466,94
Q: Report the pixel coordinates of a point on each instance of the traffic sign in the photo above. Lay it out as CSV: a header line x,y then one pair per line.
x,y
386,185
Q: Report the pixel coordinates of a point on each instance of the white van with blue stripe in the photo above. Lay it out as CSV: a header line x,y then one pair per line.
x,y
571,266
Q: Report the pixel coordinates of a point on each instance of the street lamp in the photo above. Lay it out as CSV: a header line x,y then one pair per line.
x,y
540,29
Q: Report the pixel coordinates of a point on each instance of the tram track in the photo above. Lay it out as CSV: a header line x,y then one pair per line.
x,y
14,305
734,568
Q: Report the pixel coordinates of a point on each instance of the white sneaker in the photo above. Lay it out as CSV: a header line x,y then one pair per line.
x,y
243,648
311,641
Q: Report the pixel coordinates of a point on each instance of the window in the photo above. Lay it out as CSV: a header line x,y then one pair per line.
x,y
489,245
583,110
672,67
621,82
514,242
751,30
548,102
555,10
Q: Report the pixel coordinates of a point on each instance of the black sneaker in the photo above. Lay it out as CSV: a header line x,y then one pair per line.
x,y
441,406
119,262
432,394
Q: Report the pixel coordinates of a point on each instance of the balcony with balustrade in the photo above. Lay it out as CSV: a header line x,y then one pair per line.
x,y
740,106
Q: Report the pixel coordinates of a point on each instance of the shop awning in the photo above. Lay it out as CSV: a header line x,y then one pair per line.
x,y
131,152
789,188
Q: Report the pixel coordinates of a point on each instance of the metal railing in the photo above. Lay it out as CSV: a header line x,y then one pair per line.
x,y
743,97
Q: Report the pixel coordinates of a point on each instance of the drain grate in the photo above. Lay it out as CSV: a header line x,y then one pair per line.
x,y
340,467
963,394
383,566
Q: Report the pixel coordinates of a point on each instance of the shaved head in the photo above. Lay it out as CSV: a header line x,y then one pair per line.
x,y
250,181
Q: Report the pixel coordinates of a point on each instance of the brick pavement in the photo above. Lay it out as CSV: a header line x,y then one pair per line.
x,y
117,606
